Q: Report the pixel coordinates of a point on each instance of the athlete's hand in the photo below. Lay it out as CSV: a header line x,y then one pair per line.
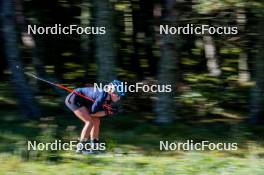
x,y
108,109
110,112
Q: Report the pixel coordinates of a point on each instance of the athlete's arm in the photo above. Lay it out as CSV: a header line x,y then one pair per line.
x,y
98,102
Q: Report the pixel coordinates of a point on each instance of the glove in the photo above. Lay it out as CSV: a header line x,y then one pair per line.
x,y
109,110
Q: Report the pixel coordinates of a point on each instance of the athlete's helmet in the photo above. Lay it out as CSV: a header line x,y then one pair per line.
x,y
118,87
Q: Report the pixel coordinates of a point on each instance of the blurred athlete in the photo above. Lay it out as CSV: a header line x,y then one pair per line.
x,y
90,111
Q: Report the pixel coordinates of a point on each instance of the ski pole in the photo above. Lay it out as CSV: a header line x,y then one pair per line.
x,y
62,87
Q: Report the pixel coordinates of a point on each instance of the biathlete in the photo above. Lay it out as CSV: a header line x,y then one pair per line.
x,y
90,111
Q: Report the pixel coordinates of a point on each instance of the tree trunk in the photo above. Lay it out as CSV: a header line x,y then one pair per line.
x,y
23,92
27,39
243,73
148,8
165,105
37,46
257,94
85,39
105,45
136,39
210,55
2,60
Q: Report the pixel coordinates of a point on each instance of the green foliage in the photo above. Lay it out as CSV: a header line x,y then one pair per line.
x,y
133,149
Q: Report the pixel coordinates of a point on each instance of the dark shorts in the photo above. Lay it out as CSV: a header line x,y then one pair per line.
x,y
74,102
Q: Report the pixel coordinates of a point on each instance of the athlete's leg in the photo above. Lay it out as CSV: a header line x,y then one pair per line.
x,y
96,124
83,114
95,129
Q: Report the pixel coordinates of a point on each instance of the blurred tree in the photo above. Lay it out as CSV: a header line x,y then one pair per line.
x,y
243,67
211,56
148,14
23,92
2,60
105,45
138,37
165,105
85,20
35,44
257,94
27,39
143,38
